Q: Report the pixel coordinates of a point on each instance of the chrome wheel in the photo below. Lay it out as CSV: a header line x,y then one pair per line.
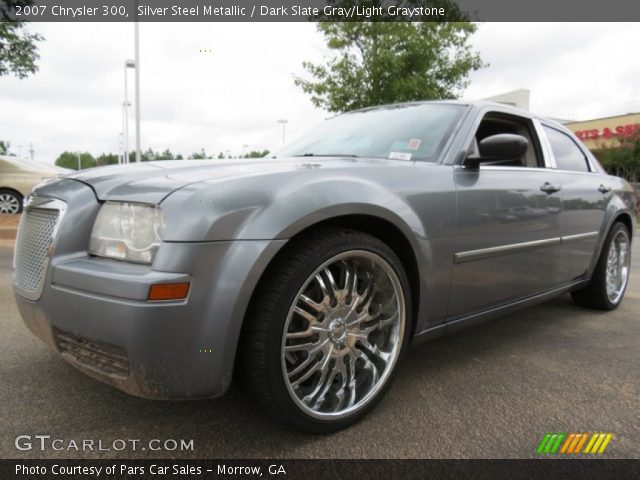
x,y
343,334
9,203
617,267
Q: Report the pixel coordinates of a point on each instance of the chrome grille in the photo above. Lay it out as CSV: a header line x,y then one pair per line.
x,y
35,236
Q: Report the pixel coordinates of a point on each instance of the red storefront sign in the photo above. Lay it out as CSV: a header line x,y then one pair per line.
x,y
616,132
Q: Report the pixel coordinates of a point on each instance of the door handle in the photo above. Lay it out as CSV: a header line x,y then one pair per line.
x,y
604,188
549,188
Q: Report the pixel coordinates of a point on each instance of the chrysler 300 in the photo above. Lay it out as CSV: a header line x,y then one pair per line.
x,y
306,275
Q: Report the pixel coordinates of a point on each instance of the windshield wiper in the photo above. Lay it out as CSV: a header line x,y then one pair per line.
x,y
350,155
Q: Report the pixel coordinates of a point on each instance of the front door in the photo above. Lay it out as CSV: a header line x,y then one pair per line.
x,y
508,224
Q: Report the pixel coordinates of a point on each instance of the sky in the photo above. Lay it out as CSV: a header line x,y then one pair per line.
x,y
224,86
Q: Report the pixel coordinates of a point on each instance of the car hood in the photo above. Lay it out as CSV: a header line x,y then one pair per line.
x,y
151,182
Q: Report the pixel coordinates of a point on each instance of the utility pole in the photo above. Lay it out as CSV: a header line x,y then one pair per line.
x,y
125,109
121,148
283,121
137,58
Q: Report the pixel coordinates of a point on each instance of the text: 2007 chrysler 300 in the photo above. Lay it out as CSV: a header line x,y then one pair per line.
x,y
307,274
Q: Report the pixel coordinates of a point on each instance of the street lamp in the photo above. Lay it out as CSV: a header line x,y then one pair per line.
x,y
125,111
79,165
283,121
125,129
121,147
137,42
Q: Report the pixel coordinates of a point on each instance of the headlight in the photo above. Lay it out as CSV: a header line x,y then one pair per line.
x,y
127,231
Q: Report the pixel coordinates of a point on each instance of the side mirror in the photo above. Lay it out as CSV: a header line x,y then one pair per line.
x,y
503,146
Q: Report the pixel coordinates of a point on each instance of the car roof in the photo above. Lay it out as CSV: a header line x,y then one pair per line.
x,y
27,164
476,104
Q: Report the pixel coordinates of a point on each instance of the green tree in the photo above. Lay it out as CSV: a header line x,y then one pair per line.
x,y
150,155
374,63
221,155
18,47
70,160
4,147
257,154
147,156
166,155
201,155
621,157
105,159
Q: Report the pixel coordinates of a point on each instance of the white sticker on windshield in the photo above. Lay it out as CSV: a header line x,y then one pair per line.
x,y
400,156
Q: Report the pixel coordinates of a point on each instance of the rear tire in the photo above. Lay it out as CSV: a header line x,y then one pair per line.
x,y
323,334
610,278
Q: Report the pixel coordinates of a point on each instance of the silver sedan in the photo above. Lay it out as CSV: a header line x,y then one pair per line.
x,y
307,274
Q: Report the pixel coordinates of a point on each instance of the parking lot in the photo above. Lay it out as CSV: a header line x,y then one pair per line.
x,y
489,392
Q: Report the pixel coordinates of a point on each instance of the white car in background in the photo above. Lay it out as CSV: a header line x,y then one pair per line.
x,y
18,176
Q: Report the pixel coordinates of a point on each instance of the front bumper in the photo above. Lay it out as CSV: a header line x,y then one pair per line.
x,y
95,311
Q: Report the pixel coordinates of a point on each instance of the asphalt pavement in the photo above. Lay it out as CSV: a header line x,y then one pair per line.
x,y
492,391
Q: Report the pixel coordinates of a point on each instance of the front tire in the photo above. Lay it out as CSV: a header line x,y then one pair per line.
x,y
609,282
326,329
10,202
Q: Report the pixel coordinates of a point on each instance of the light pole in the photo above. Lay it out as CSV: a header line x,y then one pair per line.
x,y
283,121
125,108
121,148
79,165
137,41
125,129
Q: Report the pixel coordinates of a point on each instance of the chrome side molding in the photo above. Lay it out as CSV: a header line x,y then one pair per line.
x,y
472,255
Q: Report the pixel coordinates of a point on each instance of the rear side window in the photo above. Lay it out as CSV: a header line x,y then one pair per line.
x,y
568,155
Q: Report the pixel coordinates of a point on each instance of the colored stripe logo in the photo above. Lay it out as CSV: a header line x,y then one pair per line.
x,y
572,443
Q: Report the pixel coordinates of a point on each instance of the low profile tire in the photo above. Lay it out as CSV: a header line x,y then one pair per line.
x,y
611,275
324,333
10,202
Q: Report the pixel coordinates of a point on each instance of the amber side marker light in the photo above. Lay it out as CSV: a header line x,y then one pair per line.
x,y
169,291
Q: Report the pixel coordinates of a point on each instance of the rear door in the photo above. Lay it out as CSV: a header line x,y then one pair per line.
x,y
585,194
508,223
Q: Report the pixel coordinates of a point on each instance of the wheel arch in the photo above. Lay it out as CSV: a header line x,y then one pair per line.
x,y
622,216
12,190
376,226
626,219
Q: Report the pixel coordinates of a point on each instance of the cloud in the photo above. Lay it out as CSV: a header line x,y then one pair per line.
x,y
221,86
573,70
216,86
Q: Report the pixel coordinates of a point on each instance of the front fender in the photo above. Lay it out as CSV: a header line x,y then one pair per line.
x,y
419,200
249,211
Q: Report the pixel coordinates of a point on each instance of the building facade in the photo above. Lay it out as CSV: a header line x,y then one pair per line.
x,y
605,132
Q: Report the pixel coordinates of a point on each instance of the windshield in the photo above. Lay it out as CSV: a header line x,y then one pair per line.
x,y
401,132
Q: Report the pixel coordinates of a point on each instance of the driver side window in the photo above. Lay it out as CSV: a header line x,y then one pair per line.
x,y
496,124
